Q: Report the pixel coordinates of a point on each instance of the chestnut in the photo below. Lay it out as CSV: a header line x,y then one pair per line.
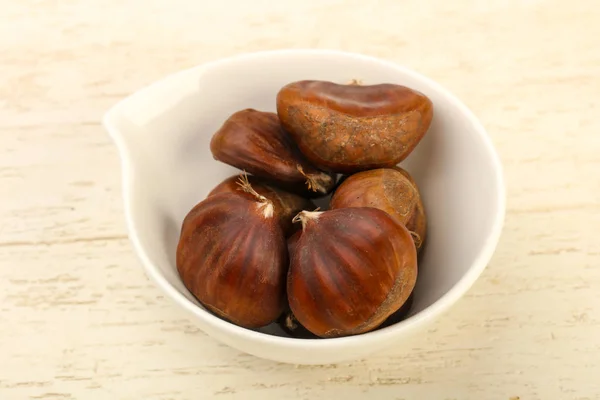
x,y
232,256
348,128
392,190
350,269
254,141
286,205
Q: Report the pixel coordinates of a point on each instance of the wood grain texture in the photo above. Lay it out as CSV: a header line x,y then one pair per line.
x,y
79,320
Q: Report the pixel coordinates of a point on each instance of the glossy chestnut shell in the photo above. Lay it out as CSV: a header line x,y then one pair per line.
x,y
350,269
232,256
255,142
348,128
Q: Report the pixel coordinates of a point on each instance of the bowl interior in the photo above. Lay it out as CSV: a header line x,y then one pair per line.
x,y
166,130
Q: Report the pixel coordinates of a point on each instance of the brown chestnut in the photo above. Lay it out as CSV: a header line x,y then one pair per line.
x,y
350,269
232,256
348,128
392,190
286,205
254,141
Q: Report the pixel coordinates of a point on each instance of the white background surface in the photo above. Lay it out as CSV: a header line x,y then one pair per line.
x,y
78,319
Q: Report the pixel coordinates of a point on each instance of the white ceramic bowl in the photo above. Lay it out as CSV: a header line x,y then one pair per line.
x,y
163,133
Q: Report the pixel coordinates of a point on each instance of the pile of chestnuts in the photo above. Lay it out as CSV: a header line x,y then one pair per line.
x,y
258,251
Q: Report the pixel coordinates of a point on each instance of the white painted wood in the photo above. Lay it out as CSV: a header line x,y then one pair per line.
x,y
78,320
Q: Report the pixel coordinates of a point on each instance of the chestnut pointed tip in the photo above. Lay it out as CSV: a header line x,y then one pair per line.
x,y
321,183
266,208
355,82
264,204
416,238
306,216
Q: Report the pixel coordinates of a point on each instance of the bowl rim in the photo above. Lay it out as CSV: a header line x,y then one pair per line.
x,y
435,309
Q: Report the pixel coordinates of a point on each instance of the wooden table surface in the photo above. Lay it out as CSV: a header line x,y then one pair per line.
x,y
78,318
